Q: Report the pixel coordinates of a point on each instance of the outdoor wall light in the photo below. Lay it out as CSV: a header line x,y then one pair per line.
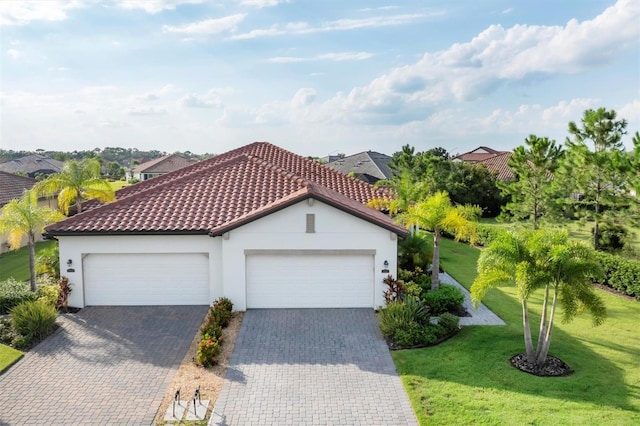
x,y
69,263
386,263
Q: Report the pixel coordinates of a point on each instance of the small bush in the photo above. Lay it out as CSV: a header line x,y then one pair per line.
x,y
400,317
12,293
22,342
65,289
447,298
449,323
620,273
612,237
208,350
224,304
33,319
411,334
48,262
212,329
7,333
395,290
49,294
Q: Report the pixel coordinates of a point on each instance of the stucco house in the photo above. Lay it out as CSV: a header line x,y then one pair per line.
x,y
158,167
260,225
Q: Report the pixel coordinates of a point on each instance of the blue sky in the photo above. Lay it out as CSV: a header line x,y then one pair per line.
x,y
314,77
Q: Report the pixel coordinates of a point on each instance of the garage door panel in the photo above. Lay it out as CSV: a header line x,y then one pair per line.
x,y
146,279
309,281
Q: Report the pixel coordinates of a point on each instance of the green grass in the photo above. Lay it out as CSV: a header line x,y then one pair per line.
x,y
15,263
468,379
8,356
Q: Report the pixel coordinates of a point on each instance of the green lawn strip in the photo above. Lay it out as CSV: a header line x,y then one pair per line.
x,y
468,379
15,263
8,356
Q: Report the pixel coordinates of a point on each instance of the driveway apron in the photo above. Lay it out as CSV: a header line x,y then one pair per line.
x,y
104,365
311,367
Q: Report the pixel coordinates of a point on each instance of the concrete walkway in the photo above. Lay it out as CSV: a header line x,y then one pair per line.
x,y
311,367
480,316
104,365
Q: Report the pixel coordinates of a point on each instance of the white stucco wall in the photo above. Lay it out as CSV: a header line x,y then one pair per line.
x,y
76,247
283,230
286,230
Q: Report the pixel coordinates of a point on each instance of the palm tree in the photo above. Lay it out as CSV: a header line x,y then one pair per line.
x,y
405,192
541,260
24,217
75,183
436,214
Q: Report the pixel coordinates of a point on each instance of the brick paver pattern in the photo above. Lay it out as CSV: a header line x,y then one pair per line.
x,y
311,367
104,365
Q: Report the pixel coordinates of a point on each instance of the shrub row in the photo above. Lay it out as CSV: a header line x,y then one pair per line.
x,y
407,323
620,273
210,344
12,293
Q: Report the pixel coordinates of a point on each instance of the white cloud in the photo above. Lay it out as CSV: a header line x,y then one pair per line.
x,y
262,3
336,57
156,94
336,25
155,6
207,26
13,53
57,69
211,100
507,11
495,57
145,111
13,12
303,97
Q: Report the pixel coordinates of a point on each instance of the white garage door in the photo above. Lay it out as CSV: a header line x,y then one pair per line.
x,y
146,279
309,281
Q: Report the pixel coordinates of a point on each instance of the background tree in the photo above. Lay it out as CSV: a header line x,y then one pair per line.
x,y
542,260
596,163
76,182
532,193
436,214
24,217
473,184
404,189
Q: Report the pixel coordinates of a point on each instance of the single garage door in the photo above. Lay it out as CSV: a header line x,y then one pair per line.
x,y
146,279
309,281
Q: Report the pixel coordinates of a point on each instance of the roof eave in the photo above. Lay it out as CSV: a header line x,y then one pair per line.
x,y
50,234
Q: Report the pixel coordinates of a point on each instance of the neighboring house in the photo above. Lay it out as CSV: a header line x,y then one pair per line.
x,y
260,225
32,165
368,166
158,167
12,187
495,161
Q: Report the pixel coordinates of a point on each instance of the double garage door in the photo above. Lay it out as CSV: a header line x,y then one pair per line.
x,y
308,280
146,279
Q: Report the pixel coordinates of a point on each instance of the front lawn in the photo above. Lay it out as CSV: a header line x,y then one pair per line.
x,y
468,379
15,263
8,356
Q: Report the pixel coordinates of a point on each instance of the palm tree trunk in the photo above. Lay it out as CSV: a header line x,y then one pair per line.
x,y
435,265
542,355
32,260
528,341
543,320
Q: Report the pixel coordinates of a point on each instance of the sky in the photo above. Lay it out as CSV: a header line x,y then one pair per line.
x,y
314,77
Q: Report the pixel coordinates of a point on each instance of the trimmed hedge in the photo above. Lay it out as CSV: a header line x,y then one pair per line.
x,y
620,273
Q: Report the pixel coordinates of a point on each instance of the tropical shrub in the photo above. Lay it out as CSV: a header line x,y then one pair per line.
x,y
394,291
414,251
208,350
620,273
48,262
210,344
447,298
449,323
65,289
12,293
224,304
49,294
612,237
21,342
212,329
33,319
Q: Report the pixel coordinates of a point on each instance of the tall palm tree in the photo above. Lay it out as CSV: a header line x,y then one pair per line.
x,y
542,260
78,181
24,217
405,191
436,214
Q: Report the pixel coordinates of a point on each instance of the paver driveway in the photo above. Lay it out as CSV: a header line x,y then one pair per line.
x,y
105,365
313,367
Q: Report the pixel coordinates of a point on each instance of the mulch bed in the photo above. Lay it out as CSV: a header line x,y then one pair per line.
x,y
553,367
614,291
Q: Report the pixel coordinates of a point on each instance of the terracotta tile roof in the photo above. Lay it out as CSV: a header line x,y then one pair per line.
x,y
499,163
223,192
481,153
13,186
165,164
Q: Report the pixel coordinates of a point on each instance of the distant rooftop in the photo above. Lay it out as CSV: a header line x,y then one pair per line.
x,y
369,166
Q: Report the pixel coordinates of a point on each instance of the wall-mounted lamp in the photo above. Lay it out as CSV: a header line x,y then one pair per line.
x,y
386,264
69,263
